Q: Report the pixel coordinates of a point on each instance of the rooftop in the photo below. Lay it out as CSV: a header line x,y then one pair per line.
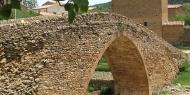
x,y
175,6
174,23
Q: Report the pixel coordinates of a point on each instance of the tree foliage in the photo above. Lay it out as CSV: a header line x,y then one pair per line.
x,y
178,1
6,6
73,7
30,3
185,17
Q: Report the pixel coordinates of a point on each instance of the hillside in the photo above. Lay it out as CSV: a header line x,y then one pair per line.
x,y
108,4
178,1
104,7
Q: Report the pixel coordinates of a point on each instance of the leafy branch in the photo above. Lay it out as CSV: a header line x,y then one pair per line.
x,y
73,7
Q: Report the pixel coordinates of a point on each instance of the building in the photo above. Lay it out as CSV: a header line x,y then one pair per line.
x,y
174,10
51,8
152,14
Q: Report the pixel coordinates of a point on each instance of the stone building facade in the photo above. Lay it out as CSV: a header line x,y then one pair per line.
x,y
152,14
51,8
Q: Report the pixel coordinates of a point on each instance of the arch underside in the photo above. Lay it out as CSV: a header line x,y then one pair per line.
x,y
127,67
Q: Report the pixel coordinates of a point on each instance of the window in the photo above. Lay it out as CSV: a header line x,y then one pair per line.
x,y
145,23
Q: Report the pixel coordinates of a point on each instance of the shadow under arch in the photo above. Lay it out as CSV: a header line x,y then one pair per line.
x,y
127,67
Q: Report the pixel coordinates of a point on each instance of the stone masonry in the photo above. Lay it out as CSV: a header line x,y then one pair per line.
x,y
47,56
154,15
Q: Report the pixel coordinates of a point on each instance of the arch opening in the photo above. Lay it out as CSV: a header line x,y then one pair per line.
x,y
127,68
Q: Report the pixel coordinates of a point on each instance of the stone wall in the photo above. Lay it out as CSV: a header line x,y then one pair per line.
x,y
176,34
173,33
47,56
186,36
152,12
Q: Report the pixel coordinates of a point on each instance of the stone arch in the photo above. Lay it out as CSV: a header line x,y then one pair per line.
x,y
50,57
127,66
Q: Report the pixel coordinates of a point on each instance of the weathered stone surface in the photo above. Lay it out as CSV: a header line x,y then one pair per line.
x,y
47,56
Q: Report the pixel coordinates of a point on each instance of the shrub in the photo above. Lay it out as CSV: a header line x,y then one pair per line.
x,y
185,66
106,91
103,66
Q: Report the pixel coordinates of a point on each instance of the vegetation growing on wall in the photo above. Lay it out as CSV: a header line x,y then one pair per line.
x,y
178,1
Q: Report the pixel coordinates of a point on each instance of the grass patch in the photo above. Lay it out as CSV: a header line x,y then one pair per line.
x,y
103,66
104,89
23,13
164,93
184,75
183,78
183,46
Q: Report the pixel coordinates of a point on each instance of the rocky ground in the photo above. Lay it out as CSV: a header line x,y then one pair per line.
x,y
175,90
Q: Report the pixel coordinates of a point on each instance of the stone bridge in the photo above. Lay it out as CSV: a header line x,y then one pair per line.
x,y
47,56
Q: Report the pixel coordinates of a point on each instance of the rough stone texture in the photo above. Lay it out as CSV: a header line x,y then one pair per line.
x,y
173,33
186,36
47,56
153,14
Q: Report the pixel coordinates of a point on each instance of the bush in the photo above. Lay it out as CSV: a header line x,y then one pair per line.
x,y
103,66
107,91
92,88
185,66
184,46
104,89
183,77
185,17
24,13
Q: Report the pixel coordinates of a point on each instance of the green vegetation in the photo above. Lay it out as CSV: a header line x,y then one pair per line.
x,y
103,66
185,17
92,88
23,13
164,93
184,74
183,46
73,7
104,90
178,1
105,7
30,3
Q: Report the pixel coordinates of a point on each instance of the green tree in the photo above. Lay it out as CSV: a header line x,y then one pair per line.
x,y
30,3
73,7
